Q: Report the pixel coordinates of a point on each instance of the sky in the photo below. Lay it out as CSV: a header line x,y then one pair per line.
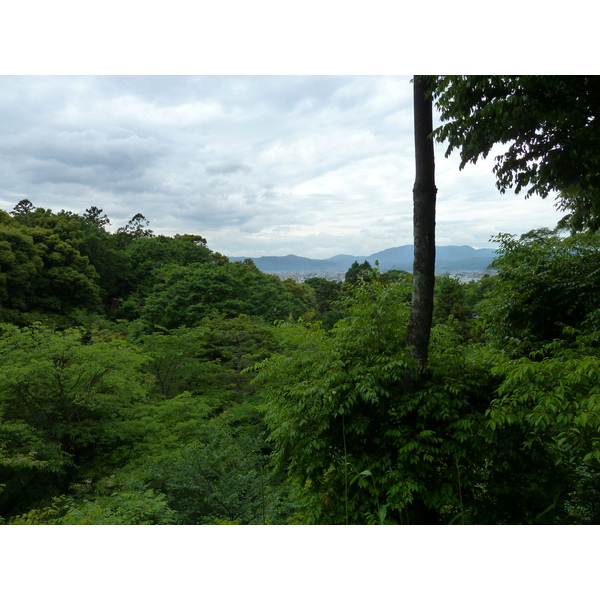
x,y
259,165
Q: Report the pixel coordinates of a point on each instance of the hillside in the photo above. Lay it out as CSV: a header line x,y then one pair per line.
x,y
450,258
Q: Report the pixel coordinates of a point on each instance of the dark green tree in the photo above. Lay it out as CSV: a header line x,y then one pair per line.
x,y
150,255
47,252
476,443
137,227
357,273
330,398
113,265
360,450
20,262
549,124
545,282
547,409
96,217
212,464
450,301
395,275
147,259
188,237
189,294
22,209
301,291
177,360
327,296
235,345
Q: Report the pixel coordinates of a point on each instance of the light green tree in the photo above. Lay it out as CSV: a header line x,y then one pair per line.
x,y
62,401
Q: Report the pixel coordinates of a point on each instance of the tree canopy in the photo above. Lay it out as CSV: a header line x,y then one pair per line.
x,y
187,294
548,127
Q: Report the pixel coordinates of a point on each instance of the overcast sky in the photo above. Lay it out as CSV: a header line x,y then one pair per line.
x,y
258,165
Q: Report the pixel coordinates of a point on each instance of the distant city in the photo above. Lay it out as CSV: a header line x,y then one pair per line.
x,y
300,276
464,262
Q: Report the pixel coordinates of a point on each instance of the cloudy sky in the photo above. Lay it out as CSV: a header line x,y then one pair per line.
x,y
258,165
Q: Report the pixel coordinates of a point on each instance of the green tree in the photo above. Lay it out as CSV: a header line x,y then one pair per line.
x,y
147,260
61,397
205,455
96,217
395,275
358,273
360,450
177,360
198,240
149,255
119,508
20,261
67,280
236,345
552,397
189,294
304,293
548,124
457,301
449,299
113,265
42,267
545,282
475,291
212,358
336,418
23,209
137,227
327,296
221,478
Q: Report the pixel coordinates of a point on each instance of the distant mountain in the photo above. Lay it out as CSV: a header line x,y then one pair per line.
x,y
291,262
400,258
448,258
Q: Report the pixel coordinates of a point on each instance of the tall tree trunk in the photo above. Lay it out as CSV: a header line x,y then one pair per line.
x,y
424,196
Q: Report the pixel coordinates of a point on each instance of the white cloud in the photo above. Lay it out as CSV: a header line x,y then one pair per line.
x,y
314,166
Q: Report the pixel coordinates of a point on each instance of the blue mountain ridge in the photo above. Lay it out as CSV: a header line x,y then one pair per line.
x,y
448,258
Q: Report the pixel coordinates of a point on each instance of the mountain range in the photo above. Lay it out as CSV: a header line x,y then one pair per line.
x,y
448,258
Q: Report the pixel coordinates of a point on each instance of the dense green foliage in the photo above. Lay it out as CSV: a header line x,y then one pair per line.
x,y
125,394
147,380
62,397
489,439
550,128
545,282
360,450
187,294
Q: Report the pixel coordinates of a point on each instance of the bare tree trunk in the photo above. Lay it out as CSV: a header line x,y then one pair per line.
x,y
424,196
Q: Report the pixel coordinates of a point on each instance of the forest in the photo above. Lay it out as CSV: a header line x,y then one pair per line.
x,y
149,380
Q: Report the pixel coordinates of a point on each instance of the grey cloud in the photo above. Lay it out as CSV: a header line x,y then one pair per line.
x,y
226,168
240,160
90,157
